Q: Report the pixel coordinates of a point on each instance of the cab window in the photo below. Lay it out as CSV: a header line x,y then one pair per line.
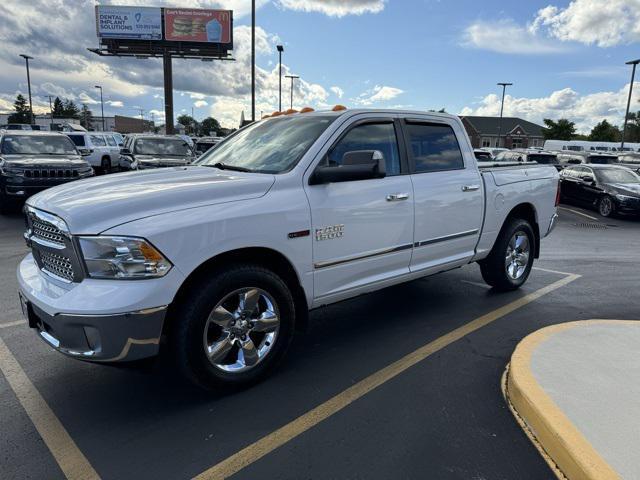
x,y
370,136
433,147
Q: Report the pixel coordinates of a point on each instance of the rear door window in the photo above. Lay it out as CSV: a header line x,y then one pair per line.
x,y
98,141
111,141
433,147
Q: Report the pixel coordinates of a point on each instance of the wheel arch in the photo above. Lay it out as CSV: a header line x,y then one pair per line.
x,y
265,257
526,211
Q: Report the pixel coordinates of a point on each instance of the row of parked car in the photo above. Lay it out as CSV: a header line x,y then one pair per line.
x,y
604,181
33,160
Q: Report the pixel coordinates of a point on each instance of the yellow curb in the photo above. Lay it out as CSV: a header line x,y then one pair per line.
x,y
560,439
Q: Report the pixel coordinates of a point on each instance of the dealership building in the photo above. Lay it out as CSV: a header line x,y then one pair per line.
x,y
515,132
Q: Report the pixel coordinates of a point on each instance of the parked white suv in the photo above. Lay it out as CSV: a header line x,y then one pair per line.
x,y
225,257
104,149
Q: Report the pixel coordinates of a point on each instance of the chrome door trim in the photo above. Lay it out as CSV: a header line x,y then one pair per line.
x,y
353,258
454,236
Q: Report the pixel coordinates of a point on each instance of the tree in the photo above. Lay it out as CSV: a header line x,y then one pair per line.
x,y
70,109
86,116
563,129
210,126
605,132
22,112
58,108
190,124
633,128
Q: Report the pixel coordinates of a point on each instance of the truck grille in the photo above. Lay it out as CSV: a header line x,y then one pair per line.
x,y
47,231
58,265
51,173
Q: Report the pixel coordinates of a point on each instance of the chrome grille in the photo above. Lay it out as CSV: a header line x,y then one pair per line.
x,y
58,265
47,231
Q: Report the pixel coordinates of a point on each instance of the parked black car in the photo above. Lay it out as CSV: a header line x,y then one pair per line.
x,y
31,161
608,188
630,160
141,152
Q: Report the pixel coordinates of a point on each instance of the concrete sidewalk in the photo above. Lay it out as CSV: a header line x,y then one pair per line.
x,y
575,388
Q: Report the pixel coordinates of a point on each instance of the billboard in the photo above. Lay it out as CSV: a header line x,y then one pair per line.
x,y
135,23
200,26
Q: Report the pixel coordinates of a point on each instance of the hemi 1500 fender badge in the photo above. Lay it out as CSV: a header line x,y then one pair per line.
x,y
329,233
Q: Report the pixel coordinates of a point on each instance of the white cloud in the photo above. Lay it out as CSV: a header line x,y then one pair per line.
x,y
378,94
584,110
116,103
335,8
200,103
603,23
506,36
337,91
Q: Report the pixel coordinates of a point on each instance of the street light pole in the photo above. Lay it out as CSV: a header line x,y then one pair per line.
x,y
253,60
292,77
280,50
504,87
51,112
626,115
101,107
26,59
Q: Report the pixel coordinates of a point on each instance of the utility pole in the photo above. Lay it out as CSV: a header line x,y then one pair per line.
x,y
51,112
253,60
626,115
504,87
280,50
168,92
292,77
26,59
101,107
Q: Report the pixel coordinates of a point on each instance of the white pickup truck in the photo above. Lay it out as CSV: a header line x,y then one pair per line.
x,y
219,262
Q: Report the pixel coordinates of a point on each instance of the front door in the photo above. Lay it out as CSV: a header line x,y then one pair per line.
x,y
363,230
448,195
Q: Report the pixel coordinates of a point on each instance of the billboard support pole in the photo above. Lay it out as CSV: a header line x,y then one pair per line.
x,y
168,92
253,60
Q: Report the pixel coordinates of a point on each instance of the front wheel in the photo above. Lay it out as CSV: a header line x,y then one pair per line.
x,y
509,264
235,328
606,207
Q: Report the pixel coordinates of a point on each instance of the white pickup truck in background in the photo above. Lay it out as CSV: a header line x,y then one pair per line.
x,y
223,259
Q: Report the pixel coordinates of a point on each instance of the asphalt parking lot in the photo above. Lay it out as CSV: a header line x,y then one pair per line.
x,y
339,407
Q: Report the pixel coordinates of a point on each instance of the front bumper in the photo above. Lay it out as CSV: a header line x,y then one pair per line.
x,y
96,320
21,187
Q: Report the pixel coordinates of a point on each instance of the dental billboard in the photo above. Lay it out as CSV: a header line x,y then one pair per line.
x,y
201,26
135,23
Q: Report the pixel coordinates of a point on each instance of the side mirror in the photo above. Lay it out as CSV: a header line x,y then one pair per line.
x,y
125,151
589,180
356,165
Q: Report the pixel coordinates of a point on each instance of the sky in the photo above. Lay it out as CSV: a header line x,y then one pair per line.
x,y
566,59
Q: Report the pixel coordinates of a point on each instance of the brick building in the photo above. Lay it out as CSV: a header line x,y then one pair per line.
x,y
516,132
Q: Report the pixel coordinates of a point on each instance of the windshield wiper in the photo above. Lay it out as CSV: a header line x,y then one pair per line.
x,y
223,166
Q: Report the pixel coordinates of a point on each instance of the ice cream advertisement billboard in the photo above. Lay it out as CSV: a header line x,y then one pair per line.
x,y
191,25
136,23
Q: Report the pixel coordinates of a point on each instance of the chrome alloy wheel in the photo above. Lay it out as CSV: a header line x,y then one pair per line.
x,y
606,206
241,330
517,257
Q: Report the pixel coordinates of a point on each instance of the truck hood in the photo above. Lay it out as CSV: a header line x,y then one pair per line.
x,y
41,160
95,205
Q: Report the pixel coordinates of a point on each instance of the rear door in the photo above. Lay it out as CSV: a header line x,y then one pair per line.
x,y
114,149
447,190
363,230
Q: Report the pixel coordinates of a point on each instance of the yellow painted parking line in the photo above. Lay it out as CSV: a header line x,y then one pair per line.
x,y
577,212
552,271
12,324
72,462
288,432
476,284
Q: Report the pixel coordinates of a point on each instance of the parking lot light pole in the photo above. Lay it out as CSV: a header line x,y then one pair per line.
x,y
504,88
26,59
101,107
280,50
253,60
292,77
626,115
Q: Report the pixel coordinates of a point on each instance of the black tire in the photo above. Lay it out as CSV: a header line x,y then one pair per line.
x,y
191,320
606,206
494,267
105,165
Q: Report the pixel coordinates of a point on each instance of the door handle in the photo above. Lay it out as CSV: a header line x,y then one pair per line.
x,y
470,188
396,197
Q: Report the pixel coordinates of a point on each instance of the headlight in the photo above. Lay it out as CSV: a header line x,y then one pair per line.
x,y
624,198
122,258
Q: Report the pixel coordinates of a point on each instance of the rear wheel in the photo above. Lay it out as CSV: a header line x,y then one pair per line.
x,y
606,207
105,165
509,264
235,328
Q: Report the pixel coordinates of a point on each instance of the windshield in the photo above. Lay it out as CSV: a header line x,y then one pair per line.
x,y
162,146
37,145
542,158
271,146
617,175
